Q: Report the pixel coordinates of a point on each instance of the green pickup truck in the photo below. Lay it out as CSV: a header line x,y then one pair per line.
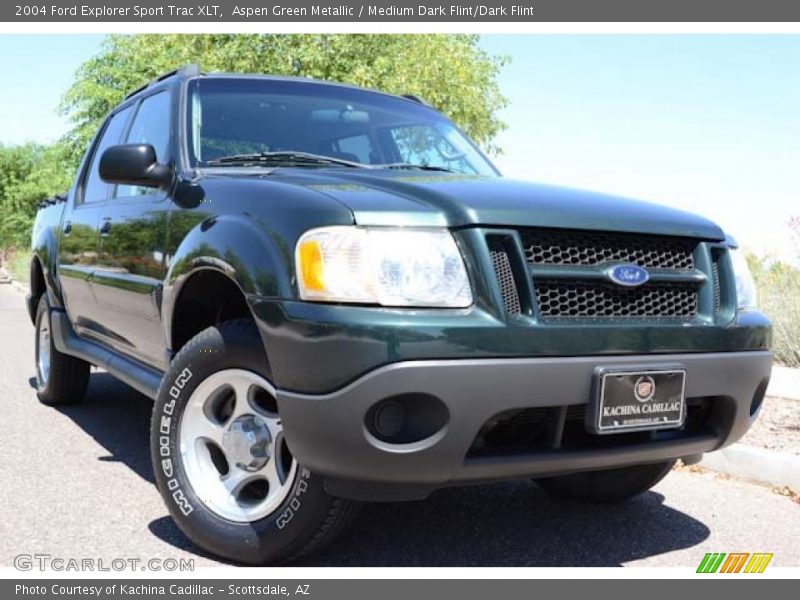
x,y
333,296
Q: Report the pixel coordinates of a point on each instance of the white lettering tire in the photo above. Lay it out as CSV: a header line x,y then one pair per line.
x,y
221,462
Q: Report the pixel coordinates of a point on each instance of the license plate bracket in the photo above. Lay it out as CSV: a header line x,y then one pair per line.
x,y
637,399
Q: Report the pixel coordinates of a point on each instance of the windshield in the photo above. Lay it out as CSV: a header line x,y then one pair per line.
x,y
237,118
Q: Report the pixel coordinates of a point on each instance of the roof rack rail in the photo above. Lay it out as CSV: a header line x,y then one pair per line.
x,y
54,199
415,98
184,71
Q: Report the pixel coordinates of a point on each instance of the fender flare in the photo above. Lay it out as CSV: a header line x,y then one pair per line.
x,y
44,250
239,248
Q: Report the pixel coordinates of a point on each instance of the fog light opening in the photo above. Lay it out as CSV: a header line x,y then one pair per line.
x,y
390,419
406,418
758,397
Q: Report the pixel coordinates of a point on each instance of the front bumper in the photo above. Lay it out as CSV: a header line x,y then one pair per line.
x,y
327,432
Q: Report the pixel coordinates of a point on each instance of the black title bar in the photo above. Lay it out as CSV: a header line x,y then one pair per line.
x,y
150,11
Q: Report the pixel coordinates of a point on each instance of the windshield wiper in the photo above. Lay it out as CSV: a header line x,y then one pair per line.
x,y
286,158
413,166
291,158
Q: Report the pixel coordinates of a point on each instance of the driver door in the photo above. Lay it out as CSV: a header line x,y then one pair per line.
x,y
132,260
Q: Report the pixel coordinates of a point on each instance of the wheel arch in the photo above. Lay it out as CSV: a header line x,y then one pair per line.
x,y
42,268
219,263
206,297
38,285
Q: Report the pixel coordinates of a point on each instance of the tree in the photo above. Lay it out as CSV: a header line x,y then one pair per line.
x,y
451,72
28,173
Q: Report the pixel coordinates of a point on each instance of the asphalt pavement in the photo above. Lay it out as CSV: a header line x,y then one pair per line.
x,y
76,482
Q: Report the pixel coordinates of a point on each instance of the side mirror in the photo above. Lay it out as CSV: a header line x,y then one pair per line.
x,y
134,164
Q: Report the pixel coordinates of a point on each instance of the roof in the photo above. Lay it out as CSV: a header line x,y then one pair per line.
x,y
191,71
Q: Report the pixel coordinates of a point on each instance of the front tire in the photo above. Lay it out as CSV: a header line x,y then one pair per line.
x,y
610,485
221,462
60,379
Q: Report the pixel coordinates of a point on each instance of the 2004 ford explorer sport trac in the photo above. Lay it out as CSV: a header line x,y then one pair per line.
x,y
333,296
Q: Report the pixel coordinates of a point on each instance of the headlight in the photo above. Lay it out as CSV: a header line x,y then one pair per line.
x,y
746,295
386,266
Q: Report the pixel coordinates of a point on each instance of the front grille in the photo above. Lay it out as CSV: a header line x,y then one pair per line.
x,y
590,300
589,248
715,258
567,269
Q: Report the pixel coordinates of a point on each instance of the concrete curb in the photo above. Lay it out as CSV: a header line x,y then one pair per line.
x,y
20,287
6,279
764,466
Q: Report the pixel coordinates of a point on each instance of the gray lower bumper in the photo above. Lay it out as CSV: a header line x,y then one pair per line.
x,y
327,432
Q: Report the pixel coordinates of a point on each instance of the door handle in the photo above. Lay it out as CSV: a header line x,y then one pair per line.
x,y
105,228
67,227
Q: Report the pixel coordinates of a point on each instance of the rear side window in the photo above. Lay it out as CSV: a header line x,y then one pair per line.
x,y
95,189
426,145
150,126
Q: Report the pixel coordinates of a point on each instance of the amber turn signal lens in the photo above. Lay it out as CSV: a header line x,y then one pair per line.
x,y
311,267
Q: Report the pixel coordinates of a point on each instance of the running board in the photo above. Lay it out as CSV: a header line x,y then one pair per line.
x,y
143,379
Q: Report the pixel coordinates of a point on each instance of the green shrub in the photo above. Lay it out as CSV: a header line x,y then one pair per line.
x,y
779,298
28,174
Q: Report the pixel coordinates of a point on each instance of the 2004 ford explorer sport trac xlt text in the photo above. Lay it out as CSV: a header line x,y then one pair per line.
x,y
333,296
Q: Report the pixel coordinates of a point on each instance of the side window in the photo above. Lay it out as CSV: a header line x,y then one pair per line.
x,y
424,145
150,126
94,188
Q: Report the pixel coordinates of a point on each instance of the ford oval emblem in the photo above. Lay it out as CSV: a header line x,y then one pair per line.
x,y
628,275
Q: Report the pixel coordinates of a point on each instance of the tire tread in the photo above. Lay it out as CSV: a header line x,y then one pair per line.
x,y
69,376
339,518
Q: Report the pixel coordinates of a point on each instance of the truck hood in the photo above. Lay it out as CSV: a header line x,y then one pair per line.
x,y
427,198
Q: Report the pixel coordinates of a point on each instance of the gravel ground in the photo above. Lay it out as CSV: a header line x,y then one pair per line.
x,y
777,427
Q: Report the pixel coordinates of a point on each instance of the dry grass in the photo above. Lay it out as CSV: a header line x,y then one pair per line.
x,y
779,298
18,266
788,492
784,490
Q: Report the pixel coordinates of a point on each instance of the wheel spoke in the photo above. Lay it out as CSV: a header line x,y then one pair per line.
x,y
273,423
203,427
270,471
236,479
241,405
